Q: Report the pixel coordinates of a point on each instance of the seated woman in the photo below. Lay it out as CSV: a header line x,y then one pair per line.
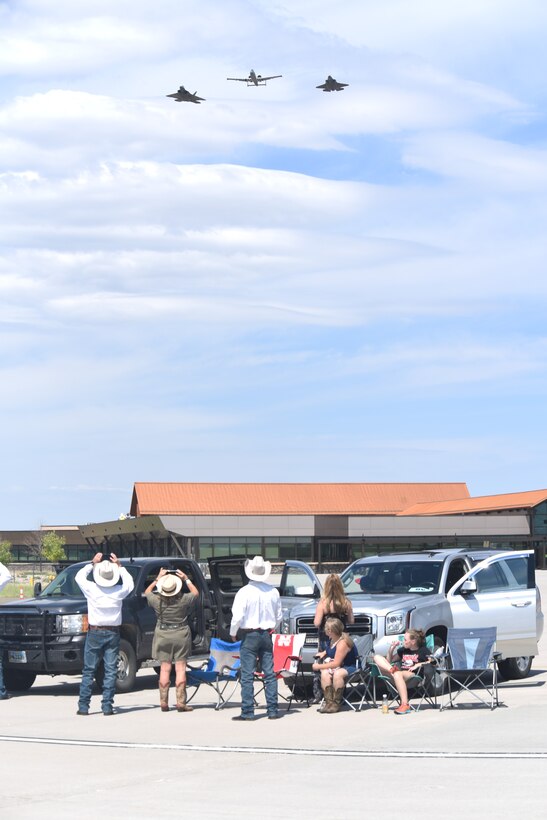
x,y
334,603
335,664
402,662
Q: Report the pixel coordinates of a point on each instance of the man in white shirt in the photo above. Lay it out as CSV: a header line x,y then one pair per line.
x,y
104,613
256,611
5,578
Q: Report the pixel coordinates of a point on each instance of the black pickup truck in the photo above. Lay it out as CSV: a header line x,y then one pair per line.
x,y
45,635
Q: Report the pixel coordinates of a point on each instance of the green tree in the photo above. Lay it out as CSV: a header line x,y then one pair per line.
x,y
5,552
52,547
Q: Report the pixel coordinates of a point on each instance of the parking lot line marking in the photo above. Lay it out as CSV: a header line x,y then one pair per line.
x,y
378,753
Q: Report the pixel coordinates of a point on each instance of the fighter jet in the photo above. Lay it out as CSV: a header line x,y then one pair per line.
x,y
331,84
182,95
254,79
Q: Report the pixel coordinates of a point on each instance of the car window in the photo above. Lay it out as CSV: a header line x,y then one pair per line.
x,y
397,577
505,574
491,579
64,585
456,570
297,582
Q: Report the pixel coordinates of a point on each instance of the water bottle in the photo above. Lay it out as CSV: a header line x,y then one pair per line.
x,y
385,705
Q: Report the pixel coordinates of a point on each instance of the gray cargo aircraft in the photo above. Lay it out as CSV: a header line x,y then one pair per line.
x,y
254,79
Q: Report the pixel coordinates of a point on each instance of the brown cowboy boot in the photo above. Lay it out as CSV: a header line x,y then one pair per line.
x,y
164,698
181,699
329,695
336,701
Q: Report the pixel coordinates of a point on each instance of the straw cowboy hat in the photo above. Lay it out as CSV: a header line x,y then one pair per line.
x,y
106,574
169,585
257,569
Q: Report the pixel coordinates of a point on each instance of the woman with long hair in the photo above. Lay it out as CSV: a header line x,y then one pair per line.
x,y
333,603
172,641
335,664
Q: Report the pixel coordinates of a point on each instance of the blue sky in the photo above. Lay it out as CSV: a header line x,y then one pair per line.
x,y
279,284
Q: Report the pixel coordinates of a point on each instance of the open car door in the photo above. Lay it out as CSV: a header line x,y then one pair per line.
x,y
298,583
227,577
500,591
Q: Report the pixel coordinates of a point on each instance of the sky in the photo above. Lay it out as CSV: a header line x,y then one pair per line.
x,y
278,284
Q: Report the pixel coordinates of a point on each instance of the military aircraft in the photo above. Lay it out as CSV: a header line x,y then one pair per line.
x,y
331,84
182,95
254,79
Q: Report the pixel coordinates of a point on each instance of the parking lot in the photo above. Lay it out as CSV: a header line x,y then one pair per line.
x,y
143,763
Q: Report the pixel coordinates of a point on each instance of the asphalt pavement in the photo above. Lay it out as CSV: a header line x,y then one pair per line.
x,y
145,763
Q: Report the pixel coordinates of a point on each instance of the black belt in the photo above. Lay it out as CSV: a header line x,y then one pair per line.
x,y
255,630
111,628
171,626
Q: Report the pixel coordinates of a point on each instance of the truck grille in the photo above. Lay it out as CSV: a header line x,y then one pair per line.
x,y
25,626
362,626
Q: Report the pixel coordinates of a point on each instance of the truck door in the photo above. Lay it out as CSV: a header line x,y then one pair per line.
x,y
505,597
298,582
227,577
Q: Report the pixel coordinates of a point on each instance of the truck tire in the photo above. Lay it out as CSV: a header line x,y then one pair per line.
x,y
515,668
17,680
127,669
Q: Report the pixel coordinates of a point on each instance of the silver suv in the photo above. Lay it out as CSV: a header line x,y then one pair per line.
x,y
432,591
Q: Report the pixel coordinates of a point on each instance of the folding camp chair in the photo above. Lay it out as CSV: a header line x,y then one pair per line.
x,y
422,684
220,671
358,689
287,661
472,666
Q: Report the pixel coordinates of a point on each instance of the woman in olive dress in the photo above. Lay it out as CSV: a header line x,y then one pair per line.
x,y
172,641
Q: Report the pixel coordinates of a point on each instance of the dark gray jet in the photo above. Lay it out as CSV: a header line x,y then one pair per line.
x,y
182,95
331,84
254,79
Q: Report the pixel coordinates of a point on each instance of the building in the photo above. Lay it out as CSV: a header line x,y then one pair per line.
x,y
319,522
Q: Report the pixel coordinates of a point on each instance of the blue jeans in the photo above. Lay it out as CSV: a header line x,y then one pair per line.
x,y
3,690
257,645
100,644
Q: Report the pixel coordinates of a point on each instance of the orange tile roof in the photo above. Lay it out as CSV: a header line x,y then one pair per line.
x,y
286,499
483,503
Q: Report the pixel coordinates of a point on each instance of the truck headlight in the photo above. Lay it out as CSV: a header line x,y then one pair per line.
x,y
396,622
285,626
71,624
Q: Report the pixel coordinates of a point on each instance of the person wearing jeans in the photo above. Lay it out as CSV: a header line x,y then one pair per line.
x,y
5,578
105,594
256,611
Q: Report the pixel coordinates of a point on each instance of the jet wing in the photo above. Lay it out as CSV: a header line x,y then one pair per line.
x,y
239,79
273,77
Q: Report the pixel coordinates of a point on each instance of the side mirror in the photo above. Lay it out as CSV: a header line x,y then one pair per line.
x,y
37,588
468,587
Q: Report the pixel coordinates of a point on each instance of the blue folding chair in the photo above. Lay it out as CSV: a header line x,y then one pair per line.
x,y
220,671
472,666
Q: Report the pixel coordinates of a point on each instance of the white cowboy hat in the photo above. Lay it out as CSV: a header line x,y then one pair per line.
x,y
106,574
169,585
257,569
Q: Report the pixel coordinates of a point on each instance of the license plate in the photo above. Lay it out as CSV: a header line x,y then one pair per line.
x,y
17,657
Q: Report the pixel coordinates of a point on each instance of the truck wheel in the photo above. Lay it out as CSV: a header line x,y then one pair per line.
x,y
15,680
127,669
515,667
